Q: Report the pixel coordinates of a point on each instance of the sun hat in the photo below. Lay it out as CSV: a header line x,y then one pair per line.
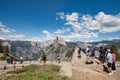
x,y
108,50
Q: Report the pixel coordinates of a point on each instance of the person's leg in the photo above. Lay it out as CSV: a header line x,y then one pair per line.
x,y
110,69
113,66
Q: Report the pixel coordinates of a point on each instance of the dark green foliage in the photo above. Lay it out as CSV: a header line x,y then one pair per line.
x,y
57,50
69,54
2,58
1,49
6,50
37,72
43,55
115,50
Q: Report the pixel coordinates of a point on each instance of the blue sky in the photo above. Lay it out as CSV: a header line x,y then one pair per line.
x,y
75,20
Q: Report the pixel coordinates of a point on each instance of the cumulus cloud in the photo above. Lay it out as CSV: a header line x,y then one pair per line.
x,y
59,31
7,33
47,33
108,23
72,17
75,25
88,26
5,29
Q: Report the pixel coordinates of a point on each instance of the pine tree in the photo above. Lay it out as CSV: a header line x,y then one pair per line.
x,y
43,57
115,50
1,50
7,50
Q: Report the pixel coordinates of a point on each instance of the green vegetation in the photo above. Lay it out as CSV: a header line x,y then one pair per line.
x,y
57,51
37,72
2,58
6,50
43,55
115,50
69,54
1,50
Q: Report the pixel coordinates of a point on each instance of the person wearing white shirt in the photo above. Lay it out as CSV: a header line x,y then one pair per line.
x,y
109,60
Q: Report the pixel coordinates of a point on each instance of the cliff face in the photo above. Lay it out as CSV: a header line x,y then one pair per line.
x,y
32,50
60,40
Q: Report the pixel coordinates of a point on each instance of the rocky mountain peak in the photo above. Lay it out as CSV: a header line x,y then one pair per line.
x,y
60,40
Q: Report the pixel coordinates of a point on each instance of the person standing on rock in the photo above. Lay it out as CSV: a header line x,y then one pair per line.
x,y
114,60
92,54
110,62
88,50
102,56
21,60
79,53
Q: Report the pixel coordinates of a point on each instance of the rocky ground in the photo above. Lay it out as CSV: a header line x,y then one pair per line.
x,y
76,69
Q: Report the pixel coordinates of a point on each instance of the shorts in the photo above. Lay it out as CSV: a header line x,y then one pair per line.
x,y
109,64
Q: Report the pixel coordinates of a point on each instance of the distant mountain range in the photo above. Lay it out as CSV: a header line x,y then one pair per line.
x,y
53,48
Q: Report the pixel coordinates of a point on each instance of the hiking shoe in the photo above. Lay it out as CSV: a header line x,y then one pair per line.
x,y
110,73
114,71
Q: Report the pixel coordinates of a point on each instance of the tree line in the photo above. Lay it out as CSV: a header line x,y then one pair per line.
x,y
4,50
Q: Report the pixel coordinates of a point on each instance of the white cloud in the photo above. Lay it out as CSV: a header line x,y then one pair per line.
x,y
13,37
73,17
16,37
61,14
83,34
59,31
5,30
75,25
112,38
107,23
35,39
13,30
48,34
86,25
1,37
7,33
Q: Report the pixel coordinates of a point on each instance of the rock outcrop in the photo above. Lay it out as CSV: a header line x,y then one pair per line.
x,y
60,40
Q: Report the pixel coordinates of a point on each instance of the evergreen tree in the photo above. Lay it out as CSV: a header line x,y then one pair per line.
x,y
43,55
1,50
115,50
6,50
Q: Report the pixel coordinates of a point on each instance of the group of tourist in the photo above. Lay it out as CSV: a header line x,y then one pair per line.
x,y
9,60
106,56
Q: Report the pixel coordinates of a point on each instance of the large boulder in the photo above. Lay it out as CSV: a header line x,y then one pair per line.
x,y
83,73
